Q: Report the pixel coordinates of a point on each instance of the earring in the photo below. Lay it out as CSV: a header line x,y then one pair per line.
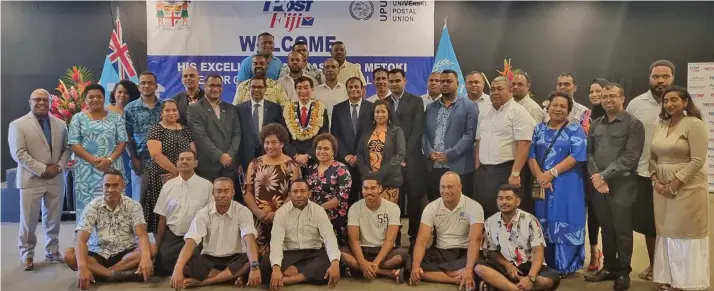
x,y
685,112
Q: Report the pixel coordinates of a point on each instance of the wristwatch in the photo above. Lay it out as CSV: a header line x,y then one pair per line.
x,y
110,160
532,278
515,174
554,172
254,265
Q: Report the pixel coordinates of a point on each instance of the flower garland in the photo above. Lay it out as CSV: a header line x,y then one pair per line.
x,y
292,119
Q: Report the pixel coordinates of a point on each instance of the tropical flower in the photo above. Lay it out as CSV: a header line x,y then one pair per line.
x,y
70,98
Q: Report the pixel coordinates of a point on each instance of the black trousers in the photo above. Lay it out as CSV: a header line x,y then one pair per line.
x,y
356,192
414,175
487,180
614,213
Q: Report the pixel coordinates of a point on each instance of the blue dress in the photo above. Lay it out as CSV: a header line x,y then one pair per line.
x,y
99,138
562,212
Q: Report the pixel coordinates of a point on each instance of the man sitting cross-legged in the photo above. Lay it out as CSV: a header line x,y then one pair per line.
x,y
179,201
458,222
372,225
300,228
107,232
226,230
515,245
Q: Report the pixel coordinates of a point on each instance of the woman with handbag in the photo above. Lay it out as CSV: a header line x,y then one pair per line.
x,y
558,147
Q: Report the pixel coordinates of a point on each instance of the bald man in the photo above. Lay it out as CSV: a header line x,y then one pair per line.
x,y
38,143
332,91
458,223
193,92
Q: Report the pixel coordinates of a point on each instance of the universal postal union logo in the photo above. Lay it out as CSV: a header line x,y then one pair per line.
x,y
172,15
361,10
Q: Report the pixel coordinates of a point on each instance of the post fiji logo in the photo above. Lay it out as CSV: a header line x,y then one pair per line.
x,y
694,69
289,14
698,95
172,15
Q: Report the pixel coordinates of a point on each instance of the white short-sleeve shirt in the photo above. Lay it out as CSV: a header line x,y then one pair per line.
x,y
373,224
646,109
180,200
498,131
330,96
452,226
222,235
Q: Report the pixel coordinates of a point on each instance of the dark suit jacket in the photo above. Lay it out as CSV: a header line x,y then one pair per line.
x,y
459,136
342,129
305,146
214,137
250,145
182,103
410,117
390,172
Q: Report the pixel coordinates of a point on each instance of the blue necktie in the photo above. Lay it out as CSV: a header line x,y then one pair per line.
x,y
354,117
256,119
45,122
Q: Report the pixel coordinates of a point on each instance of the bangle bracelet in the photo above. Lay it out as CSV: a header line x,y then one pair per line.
x,y
672,191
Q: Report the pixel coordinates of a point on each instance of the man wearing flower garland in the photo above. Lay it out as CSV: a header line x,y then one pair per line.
x,y
305,119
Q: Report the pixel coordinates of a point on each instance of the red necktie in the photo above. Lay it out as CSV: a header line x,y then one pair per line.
x,y
303,117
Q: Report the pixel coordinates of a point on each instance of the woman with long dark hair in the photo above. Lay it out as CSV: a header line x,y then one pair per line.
x,y
593,224
679,150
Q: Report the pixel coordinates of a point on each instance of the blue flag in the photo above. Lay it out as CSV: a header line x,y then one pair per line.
x,y
445,58
109,78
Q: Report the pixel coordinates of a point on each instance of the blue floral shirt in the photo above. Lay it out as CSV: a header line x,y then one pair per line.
x,y
139,119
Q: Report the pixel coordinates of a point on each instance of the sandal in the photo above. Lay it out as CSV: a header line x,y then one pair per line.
x,y
568,275
595,262
646,274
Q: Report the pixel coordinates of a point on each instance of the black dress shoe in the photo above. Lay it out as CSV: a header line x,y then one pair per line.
x,y
622,283
602,275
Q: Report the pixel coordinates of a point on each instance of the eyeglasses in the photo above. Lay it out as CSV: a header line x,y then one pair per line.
x,y
40,100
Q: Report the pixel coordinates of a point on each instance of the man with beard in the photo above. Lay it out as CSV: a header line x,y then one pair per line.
x,y
216,130
516,246
350,118
296,69
449,136
274,92
408,113
580,113
332,91
503,139
381,83
346,69
521,93
40,160
140,115
180,199
266,45
310,70
193,92
615,144
433,89
647,108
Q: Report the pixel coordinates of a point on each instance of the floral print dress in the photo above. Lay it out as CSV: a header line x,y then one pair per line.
x,y
270,186
335,182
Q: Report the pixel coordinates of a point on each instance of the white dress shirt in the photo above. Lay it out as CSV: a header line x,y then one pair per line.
x,y
180,200
261,109
575,116
359,106
330,96
222,235
484,104
533,108
452,226
295,229
427,99
373,223
646,108
375,97
498,131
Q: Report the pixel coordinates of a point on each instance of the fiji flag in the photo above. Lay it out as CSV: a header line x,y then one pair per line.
x,y
117,64
446,59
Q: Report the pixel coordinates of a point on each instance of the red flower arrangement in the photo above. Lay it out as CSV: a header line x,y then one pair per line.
x,y
70,99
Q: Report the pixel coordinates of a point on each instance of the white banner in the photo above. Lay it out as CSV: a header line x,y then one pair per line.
x,y
700,84
216,36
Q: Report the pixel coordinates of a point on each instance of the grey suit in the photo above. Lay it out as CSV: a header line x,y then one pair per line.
x,y
30,149
214,137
